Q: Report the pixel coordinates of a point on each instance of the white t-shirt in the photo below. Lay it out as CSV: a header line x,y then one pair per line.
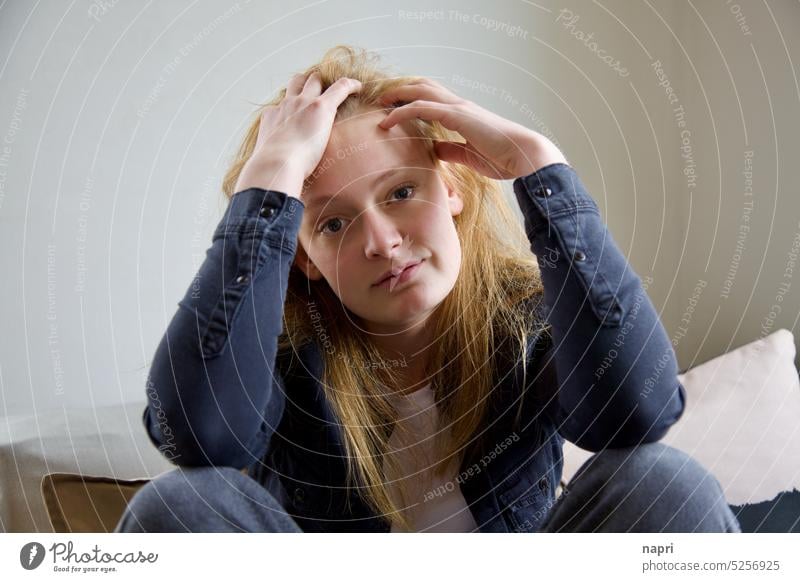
x,y
435,503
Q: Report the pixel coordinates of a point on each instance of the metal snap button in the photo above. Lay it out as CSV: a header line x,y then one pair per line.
x,y
579,256
542,192
267,211
299,494
242,279
543,484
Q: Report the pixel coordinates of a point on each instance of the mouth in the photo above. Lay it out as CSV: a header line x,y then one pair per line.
x,y
399,275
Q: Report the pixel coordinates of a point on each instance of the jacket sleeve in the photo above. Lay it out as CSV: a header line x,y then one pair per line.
x,y
613,366
213,394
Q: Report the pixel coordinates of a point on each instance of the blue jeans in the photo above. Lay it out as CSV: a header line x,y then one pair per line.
x,y
647,488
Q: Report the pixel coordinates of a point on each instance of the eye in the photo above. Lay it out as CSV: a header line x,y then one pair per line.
x,y
331,221
407,188
404,187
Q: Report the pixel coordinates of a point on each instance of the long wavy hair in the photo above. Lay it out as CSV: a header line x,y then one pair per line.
x,y
498,275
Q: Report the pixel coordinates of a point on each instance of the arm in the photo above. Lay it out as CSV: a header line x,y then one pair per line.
x,y
616,370
213,394
591,297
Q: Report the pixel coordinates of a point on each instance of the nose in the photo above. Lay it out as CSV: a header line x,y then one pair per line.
x,y
381,236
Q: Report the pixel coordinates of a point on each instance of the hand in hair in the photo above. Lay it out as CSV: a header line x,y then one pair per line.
x,y
495,147
293,135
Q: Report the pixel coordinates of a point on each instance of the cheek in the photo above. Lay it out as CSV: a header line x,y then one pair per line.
x,y
346,268
442,230
449,252
339,265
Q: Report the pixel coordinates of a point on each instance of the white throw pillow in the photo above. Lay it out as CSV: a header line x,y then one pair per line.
x,y
742,420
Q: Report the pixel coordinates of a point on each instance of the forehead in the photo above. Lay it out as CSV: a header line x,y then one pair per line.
x,y
359,150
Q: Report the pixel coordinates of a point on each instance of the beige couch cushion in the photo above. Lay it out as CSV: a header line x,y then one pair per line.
x,y
742,420
106,440
87,504
82,503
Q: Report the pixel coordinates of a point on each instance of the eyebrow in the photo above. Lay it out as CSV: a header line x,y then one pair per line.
x,y
382,177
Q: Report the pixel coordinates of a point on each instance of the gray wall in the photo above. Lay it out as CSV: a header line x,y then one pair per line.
x,y
117,120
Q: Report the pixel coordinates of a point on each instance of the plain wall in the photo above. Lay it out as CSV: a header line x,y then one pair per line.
x,y
117,122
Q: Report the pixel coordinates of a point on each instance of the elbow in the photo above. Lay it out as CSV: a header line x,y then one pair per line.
x,y
654,426
216,452
651,422
218,448
645,423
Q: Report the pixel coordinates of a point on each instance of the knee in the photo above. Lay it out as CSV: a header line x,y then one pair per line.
x,y
174,487
658,475
653,464
164,503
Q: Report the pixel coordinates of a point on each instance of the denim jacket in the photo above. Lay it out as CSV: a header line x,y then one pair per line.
x,y
604,376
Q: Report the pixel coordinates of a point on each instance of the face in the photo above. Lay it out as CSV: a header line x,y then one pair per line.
x,y
377,203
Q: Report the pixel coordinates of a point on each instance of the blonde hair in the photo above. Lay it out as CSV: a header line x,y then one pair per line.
x,y
499,275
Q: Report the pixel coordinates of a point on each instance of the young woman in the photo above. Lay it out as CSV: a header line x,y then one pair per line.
x,y
370,345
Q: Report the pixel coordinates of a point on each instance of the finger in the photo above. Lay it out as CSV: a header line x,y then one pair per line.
x,y
312,87
339,90
451,151
427,110
420,90
409,93
295,84
463,153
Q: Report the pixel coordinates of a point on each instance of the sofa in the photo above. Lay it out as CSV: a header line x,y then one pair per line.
x,y
73,470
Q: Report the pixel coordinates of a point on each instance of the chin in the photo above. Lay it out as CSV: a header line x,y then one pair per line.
x,y
404,309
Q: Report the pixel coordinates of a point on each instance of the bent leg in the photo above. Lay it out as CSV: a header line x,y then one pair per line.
x,y
204,499
651,487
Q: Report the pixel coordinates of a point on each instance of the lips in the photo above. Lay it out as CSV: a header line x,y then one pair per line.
x,y
395,271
